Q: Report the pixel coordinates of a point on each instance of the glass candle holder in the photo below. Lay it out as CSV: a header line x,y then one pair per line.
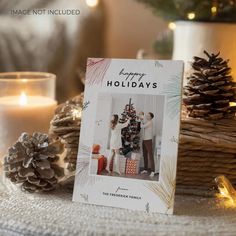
x,y
27,104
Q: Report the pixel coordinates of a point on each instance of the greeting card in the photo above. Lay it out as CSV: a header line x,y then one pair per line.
x,y
129,135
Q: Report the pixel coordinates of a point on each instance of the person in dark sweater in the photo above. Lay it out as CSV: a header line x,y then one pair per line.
x,y
147,144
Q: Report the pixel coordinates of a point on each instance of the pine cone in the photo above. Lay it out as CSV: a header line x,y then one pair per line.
x,y
210,89
31,162
65,126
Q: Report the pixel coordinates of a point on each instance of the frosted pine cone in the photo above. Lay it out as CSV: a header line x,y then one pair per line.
x,y
65,126
31,161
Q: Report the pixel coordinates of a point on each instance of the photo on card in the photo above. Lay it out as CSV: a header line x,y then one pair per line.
x,y
127,136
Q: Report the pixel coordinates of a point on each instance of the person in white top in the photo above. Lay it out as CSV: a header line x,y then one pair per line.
x,y
115,143
147,144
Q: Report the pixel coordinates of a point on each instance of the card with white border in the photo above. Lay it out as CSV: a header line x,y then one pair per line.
x,y
129,134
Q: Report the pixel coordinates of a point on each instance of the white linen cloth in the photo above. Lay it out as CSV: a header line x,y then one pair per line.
x,y
54,214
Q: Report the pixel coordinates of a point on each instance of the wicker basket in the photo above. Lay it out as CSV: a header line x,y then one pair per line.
x,y
207,149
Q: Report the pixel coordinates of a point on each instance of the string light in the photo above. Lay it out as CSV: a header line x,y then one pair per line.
x,y
191,15
214,10
226,190
77,113
232,104
172,26
92,3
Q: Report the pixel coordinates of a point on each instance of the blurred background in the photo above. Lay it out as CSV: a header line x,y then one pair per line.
x,y
161,29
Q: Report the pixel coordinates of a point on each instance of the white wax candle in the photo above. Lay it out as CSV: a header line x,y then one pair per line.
x,y
23,114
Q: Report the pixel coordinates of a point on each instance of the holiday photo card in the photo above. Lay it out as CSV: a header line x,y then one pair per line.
x,y
129,134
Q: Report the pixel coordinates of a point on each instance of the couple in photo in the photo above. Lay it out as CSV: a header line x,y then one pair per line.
x,y
146,128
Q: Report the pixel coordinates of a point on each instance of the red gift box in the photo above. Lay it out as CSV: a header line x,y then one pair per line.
x,y
101,162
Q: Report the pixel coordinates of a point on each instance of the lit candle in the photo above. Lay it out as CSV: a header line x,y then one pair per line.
x,y
29,111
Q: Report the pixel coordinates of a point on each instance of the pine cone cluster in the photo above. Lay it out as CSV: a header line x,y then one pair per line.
x,y
210,89
65,126
31,161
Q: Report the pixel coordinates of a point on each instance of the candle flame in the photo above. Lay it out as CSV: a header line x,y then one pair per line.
x,y
23,99
226,191
92,3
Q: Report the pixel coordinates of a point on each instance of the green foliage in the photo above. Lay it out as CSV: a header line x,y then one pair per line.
x,y
163,45
163,8
204,10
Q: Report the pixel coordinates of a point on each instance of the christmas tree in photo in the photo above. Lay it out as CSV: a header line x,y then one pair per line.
x,y
130,134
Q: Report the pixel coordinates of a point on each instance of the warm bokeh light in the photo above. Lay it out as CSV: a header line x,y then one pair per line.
x,y
23,99
172,26
214,9
227,191
76,113
92,3
191,15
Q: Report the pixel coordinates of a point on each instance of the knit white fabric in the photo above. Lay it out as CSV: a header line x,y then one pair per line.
x,y
55,214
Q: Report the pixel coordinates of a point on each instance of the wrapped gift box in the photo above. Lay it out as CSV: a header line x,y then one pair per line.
x,y
96,156
100,160
94,166
122,162
135,156
132,167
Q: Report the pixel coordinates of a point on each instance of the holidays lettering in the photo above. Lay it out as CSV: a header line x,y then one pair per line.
x,y
131,84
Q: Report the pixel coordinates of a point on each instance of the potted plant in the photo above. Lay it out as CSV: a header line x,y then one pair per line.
x,y
200,25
